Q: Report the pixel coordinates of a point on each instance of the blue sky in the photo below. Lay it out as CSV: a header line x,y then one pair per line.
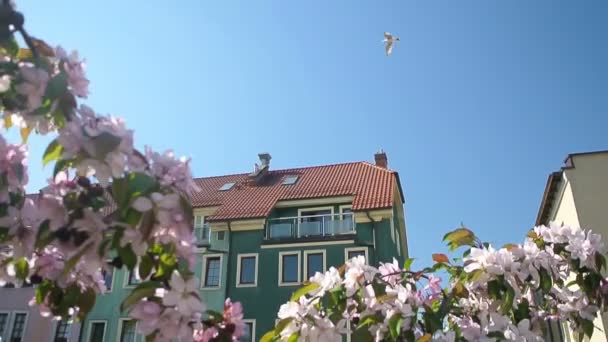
x,y
477,104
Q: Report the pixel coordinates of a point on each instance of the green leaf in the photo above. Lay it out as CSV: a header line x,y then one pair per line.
x,y
507,303
367,320
282,324
57,86
546,282
145,266
587,326
61,165
22,268
460,237
303,291
294,337
128,256
44,235
441,258
10,46
269,337
141,184
408,263
523,311
432,323
494,289
137,294
425,338
52,152
86,301
600,261
42,290
104,143
394,325
497,335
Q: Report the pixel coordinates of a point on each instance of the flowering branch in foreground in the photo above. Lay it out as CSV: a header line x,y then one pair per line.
x,y
505,294
105,201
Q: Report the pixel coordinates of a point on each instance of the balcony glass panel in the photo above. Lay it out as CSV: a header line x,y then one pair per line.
x,y
310,226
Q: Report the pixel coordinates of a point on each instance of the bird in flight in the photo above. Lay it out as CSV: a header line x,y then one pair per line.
x,y
389,40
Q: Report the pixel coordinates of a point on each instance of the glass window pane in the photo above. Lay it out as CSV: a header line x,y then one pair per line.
x,y
18,328
247,270
132,279
62,332
352,254
107,276
290,268
212,272
246,337
97,331
127,334
3,323
314,263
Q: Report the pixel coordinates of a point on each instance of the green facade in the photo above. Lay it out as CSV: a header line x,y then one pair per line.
x,y
261,302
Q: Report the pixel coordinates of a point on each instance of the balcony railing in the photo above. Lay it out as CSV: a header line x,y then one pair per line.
x,y
310,226
202,234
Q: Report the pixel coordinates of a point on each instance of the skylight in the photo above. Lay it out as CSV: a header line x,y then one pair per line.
x,y
288,180
227,186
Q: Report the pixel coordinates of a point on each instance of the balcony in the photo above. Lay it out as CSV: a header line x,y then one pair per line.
x,y
202,235
313,226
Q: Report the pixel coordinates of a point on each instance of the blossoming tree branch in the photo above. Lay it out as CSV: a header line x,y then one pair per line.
x,y
108,201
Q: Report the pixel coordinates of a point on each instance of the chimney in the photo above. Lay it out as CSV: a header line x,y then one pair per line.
x,y
260,169
381,159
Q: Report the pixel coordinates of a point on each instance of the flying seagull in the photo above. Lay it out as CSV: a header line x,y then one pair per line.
x,y
388,42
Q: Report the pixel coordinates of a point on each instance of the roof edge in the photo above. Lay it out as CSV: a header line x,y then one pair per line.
x,y
552,182
569,160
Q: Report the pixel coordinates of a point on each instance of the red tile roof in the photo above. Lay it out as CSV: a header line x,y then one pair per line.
x,y
371,186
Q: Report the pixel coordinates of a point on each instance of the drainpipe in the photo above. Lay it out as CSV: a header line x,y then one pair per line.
x,y
228,260
373,237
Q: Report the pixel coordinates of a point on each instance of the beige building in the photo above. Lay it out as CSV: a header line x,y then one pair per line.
x,y
577,195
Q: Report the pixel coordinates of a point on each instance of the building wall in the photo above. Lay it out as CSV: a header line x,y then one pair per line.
x,y
37,328
585,203
263,301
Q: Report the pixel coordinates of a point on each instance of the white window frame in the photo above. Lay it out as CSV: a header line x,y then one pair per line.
x,y
8,325
356,249
299,263
314,251
347,206
56,324
120,324
204,271
114,269
301,210
252,321
11,326
90,328
238,269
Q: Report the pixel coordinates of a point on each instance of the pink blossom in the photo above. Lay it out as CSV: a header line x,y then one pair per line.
x,y
183,295
205,335
148,314
33,85
390,272
74,68
233,315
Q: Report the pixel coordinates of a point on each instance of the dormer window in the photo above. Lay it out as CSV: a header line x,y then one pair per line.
x,y
227,186
289,180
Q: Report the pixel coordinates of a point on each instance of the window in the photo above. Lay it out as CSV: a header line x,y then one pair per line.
x,y
288,180
227,186
18,327
132,278
314,261
201,229
247,270
126,330
289,268
352,252
212,270
62,331
3,323
221,235
249,333
108,276
97,331
315,221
